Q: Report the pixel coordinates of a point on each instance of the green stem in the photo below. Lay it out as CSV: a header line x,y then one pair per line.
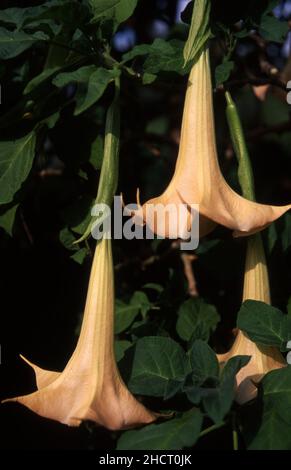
x,y
235,439
211,428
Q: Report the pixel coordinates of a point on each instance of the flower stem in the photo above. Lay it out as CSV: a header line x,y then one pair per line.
x,y
211,428
235,439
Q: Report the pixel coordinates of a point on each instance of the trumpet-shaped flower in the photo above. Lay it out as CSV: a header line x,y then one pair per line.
x,y
197,178
263,358
90,387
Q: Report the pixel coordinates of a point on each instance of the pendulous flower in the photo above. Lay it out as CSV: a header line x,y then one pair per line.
x,y
263,358
197,178
90,387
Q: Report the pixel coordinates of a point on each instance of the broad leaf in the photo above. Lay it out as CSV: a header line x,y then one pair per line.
x,y
44,75
272,28
124,315
7,218
120,346
117,10
13,43
166,56
157,359
67,239
124,9
142,302
16,16
91,83
196,320
175,434
274,425
103,8
203,361
16,158
223,71
264,324
218,404
80,255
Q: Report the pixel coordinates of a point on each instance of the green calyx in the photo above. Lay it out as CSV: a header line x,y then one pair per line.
x,y
109,171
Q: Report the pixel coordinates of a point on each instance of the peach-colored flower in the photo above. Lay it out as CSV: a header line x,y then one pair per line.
x,y
197,178
90,387
263,358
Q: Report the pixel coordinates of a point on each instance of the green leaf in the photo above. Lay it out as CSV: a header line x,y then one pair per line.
x,y
157,359
203,361
91,83
264,324
272,28
196,320
67,239
165,56
17,16
204,375
124,315
199,30
13,43
218,404
124,9
44,75
16,158
173,387
103,8
7,218
51,120
80,76
80,255
175,434
223,71
120,346
97,84
62,11
274,425
141,301
117,10
148,78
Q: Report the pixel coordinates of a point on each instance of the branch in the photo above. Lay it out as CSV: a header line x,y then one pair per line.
x,y
187,260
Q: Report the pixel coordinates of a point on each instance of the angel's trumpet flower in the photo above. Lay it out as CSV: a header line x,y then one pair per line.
x,y
263,358
90,387
197,178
